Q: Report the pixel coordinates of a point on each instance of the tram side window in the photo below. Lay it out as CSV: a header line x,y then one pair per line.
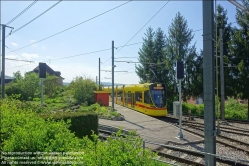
x,y
147,97
138,96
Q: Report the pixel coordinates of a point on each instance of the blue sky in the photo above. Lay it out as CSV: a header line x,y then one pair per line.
x,y
119,25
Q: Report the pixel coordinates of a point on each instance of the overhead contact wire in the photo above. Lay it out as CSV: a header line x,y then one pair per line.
x,y
34,18
22,12
72,26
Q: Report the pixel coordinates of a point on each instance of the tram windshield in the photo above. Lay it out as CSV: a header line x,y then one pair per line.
x,y
158,96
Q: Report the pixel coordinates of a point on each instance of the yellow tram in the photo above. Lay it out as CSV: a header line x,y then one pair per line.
x,y
148,98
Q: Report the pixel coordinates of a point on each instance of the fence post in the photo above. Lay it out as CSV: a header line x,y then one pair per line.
x,y
143,146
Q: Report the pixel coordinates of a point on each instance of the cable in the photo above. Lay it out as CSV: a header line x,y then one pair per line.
x,y
72,26
22,12
80,54
11,50
34,18
145,24
19,60
123,46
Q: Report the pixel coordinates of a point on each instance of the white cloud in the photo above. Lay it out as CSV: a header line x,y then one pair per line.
x,y
29,56
14,44
43,47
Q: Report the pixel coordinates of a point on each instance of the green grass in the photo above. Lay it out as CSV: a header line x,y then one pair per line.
x,y
233,109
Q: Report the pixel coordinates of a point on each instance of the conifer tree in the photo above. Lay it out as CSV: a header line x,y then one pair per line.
x,y
221,22
179,49
239,54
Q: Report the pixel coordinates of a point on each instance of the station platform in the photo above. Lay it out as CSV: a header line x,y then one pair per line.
x,y
150,128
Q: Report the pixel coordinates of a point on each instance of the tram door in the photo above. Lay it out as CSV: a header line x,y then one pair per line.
x,y
126,99
132,100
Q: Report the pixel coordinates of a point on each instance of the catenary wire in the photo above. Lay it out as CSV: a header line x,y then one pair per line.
x,y
34,18
144,25
72,26
80,54
22,12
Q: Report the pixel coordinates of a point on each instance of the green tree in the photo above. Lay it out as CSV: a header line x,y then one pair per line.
x,y
146,56
17,76
221,22
178,48
16,86
239,46
151,57
25,86
83,89
52,85
30,85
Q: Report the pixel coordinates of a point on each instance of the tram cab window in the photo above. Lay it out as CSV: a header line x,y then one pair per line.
x,y
138,96
147,98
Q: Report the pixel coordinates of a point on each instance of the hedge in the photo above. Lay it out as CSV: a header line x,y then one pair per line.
x,y
82,123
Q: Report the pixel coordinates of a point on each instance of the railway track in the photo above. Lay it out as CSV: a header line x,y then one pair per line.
x,y
229,142
222,128
176,154
228,120
222,139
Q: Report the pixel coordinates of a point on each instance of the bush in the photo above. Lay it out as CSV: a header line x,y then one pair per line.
x,y
233,109
83,90
82,123
195,109
23,131
118,151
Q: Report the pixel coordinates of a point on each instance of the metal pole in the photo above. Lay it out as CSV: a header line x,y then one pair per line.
x,y
99,73
180,135
3,60
217,68
112,75
208,80
222,91
42,100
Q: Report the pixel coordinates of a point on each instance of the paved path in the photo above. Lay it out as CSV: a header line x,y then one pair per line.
x,y
150,128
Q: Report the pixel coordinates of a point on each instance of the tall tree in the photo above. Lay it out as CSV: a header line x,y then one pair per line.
x,y
178,47
240,50
146,54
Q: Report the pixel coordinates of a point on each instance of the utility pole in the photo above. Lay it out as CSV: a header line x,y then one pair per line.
x,y
99,73
113,75
222,92
208,81
3,58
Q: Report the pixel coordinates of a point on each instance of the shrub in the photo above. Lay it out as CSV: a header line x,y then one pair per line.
x,y
82,123
83,89
233,109
118,151
23,131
